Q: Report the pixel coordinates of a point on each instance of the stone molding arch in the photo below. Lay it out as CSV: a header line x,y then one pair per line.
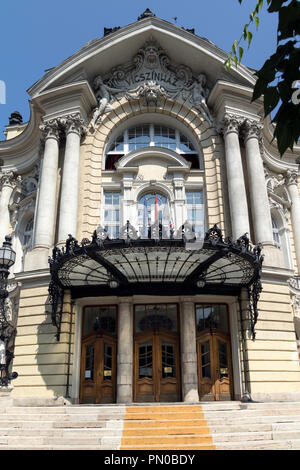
x,y
93,149
158,186
156,152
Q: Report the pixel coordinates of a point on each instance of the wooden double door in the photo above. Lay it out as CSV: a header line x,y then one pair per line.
x,y
214,366
98,369
156,367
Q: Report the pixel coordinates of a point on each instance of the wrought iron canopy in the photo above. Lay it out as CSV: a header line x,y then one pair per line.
x,y
157,265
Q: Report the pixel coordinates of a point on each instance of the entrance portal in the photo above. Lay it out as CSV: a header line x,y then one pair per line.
x,y
214,353
98,355
156,353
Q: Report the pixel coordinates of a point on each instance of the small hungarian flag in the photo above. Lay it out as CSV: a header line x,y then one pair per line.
x,y
156,209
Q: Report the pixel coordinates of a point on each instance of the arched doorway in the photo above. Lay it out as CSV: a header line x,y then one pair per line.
x,y
156,353
214,352
98,355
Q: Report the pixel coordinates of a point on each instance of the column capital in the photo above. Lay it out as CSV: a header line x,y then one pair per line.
x,y
9,178
291,177
230,123
251,129
73,123
50,129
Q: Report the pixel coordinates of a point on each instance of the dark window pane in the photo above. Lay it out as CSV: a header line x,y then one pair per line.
x,y
223,359
107,372
168,360
89,362
205,359
145,360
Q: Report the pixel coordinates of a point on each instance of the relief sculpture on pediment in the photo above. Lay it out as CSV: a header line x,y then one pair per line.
x,y
150,76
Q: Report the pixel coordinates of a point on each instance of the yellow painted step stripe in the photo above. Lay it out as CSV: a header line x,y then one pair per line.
x,y
157,447
163,408
160,416
163,423
183,439
182,426
167,431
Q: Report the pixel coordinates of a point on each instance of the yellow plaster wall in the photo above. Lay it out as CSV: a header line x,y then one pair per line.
x,y
273,361
40,360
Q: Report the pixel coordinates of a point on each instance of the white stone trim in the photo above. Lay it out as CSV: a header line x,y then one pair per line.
x,y
77,354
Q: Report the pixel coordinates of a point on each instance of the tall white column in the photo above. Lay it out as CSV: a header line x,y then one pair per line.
x,y
46,213
189,352
8,182
235,176
260,209
291,179
74,128
125,352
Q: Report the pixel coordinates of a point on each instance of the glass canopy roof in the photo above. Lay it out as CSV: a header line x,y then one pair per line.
x,y
160,266
130,262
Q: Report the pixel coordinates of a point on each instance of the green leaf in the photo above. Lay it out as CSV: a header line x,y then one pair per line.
x,y
250,35
245,31
234,46
241,52
261,2
235,60
256,18
271,99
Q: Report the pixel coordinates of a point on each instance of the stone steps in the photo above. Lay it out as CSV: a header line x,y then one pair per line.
x,y
205,426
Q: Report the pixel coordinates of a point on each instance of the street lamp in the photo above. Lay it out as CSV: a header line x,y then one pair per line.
x,y
7,330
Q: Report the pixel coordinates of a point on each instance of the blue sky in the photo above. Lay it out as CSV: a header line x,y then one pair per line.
x,y
39,34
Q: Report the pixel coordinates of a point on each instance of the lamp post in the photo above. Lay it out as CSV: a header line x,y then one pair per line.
x,y
7,330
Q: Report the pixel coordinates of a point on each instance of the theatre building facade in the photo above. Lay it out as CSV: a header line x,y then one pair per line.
x,y
155,226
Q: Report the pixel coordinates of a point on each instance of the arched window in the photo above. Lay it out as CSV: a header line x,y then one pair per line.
x,y
153,207
281,237
147,135
27,235
276,236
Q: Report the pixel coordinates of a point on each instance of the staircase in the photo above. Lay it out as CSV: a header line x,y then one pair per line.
x,y
209,426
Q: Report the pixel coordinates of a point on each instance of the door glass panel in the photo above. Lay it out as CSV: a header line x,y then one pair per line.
x,y
168,360
212,317
145,360
155,316
100,318
223,359
89,362
108,352
205,360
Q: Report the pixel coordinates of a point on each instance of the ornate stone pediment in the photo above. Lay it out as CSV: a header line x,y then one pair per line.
x,y
151,76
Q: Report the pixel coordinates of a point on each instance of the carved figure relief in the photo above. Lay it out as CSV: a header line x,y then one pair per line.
x,y
150,76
